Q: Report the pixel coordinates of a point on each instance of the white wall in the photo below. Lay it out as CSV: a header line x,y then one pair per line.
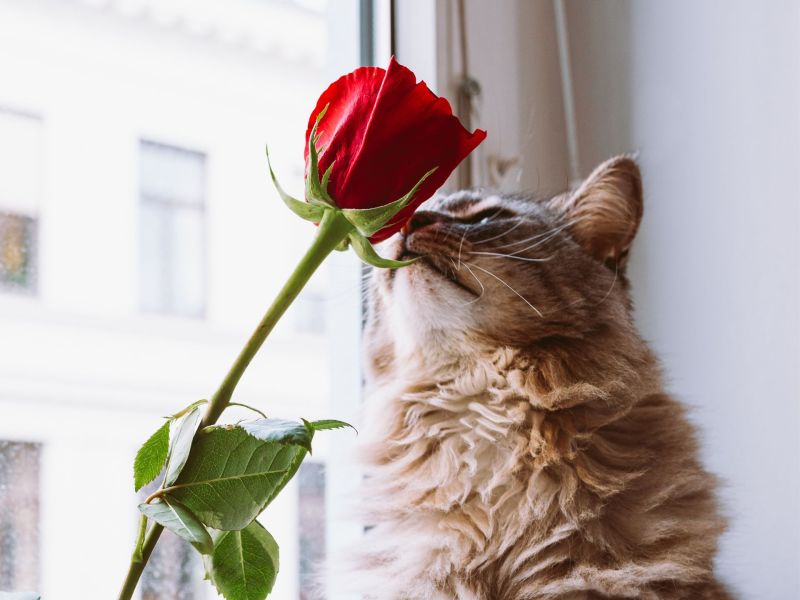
x,y
708,93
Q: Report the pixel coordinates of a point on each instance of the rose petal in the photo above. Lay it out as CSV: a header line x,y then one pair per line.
x,y
385,131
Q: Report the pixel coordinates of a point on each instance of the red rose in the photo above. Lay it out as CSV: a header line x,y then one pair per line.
x,y
385,131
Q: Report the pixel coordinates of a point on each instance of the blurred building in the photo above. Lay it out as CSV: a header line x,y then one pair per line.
x,y
140,241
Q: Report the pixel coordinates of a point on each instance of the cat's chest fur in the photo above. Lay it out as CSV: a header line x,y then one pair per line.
x,y
454,478
484,482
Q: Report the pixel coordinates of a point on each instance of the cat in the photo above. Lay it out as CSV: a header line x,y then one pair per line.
x,y
520,441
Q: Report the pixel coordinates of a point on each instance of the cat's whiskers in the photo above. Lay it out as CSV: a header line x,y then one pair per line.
x,y
519,222
480,283
468,227
542,241
549,234
502,281
461,243
512,256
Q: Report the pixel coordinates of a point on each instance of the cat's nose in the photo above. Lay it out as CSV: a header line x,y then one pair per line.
x,y
423,218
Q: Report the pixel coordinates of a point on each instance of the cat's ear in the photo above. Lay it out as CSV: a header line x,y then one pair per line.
x,y
605,210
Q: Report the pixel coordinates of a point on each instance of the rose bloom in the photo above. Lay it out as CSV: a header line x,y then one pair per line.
x,y
385,131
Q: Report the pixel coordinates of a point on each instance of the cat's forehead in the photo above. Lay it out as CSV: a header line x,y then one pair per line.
x,y
466,202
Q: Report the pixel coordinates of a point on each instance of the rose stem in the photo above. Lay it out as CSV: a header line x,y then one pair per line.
x,y
333,229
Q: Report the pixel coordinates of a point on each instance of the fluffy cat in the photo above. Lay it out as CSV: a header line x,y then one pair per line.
x,y
521,444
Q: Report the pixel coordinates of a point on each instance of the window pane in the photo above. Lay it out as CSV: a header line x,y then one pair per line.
x,y
174,571
171,174
311,479
17,252
153,269
187,268
172,234
20,163
19,516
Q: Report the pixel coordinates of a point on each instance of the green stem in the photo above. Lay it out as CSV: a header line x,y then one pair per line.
x,y
137,551
333,229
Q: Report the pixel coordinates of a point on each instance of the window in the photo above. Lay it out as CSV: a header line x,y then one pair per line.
x,y
311,484
172,230
308,312
19,516
174,572
21,160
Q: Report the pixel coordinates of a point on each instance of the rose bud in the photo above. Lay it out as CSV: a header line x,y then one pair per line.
x,y
384,144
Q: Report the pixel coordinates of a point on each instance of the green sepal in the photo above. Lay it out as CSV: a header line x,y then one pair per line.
x,y
369,221
316,191
304,210
326,176
367,253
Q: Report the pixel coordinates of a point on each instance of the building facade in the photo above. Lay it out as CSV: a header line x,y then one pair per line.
x,y
140,241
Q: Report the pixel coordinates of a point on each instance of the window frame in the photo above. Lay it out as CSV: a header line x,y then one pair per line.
x,y
33,226
173,206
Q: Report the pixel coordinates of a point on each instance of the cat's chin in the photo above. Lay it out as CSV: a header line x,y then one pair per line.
x,y
441,267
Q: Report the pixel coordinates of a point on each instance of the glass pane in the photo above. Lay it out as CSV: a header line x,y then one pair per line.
x,y
20,162
17,252
311,479
308,312
172,237
174,572
154,232
186,260
19,516
170,174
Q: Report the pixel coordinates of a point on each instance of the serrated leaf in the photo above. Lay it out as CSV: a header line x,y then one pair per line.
x,y
324,424
369,221
231,476
282,431
244,564
181,433
363,248
180,520
151,457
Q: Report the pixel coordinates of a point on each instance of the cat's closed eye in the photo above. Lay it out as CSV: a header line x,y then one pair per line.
x,y
487,215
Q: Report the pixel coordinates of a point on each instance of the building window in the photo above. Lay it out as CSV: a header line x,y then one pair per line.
x,y
19,516
311,528
172,236
20,190
175,570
